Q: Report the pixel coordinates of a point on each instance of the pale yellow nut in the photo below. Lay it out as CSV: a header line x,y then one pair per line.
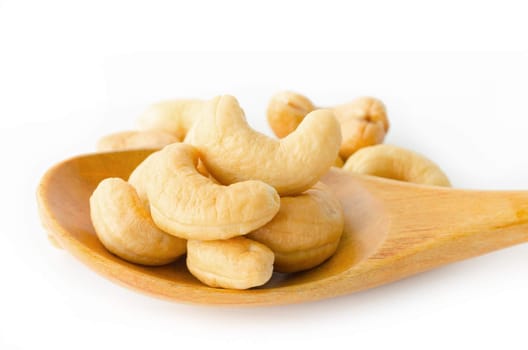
x,y
359,133
369,109
126,229
189,205
142,175
286,110
126,140
236,263
173,116
396,163
363,121
234,152
305,232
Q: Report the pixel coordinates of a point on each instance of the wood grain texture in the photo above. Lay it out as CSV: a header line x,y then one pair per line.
x,y
392,230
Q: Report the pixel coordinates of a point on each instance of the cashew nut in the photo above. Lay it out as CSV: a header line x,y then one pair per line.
x,y
173,116
396,163
363,121
126,229
286,110
236,263
189,205
142,174
233,152
305,232
135,140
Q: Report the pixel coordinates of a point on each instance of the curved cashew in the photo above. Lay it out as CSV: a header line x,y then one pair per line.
x,y
363,121
305,232
142,175
236,263
233,152
173,116
126,229
126,140
189,205
396,163
286,110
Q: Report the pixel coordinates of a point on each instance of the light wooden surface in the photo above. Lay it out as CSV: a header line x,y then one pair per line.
x,y
392,230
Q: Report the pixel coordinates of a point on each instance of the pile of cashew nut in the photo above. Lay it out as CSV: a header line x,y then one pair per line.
x,y
239,204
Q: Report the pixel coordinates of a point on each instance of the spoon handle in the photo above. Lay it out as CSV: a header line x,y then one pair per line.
x,y
442,225
433,226
441,213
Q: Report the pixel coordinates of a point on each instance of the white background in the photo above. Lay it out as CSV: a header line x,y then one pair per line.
x,y
454,76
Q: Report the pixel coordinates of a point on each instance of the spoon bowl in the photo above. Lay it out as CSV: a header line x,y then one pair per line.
x,y
392,230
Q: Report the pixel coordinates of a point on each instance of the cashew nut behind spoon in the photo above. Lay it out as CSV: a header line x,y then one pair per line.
x,y
363,121
126,229
234,152
189,205
286,110
396,163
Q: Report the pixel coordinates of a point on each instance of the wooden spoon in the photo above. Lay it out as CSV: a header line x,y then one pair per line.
x,y
393,230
